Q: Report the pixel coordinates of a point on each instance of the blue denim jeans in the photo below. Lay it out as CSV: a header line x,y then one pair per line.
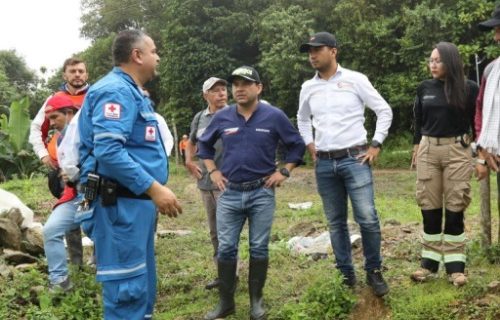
x,y
61,220
337,179
233,208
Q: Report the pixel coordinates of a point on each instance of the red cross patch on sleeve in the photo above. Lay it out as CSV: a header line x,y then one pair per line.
x,y
150,134
112,111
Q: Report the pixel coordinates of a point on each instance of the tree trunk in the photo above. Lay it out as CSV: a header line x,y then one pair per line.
x,y
484,190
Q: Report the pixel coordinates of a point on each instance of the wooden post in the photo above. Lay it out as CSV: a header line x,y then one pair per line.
x,y
484,191
498,206
176,141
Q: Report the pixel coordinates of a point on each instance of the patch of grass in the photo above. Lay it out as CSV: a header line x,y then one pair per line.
x,y
423,301
34,193
185,265
25,296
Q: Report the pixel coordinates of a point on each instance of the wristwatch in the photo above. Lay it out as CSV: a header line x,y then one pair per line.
x,y
376,144
481,161
284,171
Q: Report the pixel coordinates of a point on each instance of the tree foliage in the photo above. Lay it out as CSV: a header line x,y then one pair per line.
x,y
18,81
387,40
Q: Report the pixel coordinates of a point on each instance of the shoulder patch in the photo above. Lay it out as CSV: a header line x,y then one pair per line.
x,y
112,111
150,134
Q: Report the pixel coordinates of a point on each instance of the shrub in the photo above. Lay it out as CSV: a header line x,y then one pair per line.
x,y
325,299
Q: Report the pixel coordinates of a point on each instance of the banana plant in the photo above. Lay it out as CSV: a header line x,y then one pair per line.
x,y
16,156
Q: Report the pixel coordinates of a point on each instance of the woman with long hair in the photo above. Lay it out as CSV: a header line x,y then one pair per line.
x,y
444,116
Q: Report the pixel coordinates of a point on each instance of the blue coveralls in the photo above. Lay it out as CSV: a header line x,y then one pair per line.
x,y
120,139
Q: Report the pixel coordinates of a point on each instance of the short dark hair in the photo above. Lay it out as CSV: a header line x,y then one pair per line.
x,y
124,43
71,62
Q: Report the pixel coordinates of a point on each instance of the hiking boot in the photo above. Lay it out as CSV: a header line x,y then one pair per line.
x,y
422,275
375,280
349,279
63,286
458,279
212,284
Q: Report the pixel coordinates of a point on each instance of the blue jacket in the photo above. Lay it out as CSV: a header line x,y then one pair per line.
x,y
119,134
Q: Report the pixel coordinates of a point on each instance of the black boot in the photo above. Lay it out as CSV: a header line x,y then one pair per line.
x,y
75,248
227,284
256,280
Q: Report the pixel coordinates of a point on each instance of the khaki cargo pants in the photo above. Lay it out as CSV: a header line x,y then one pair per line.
x,y
444,170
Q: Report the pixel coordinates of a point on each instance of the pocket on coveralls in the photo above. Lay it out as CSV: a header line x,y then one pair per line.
x,y
129,290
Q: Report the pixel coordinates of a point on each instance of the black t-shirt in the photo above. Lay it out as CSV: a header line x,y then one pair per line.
x,y
436,118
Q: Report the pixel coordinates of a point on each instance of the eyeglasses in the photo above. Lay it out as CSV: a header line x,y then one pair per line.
x,y
432,61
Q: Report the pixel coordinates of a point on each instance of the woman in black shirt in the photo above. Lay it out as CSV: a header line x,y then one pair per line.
x,y
444,115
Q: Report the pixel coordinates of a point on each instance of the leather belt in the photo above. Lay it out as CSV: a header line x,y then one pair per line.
x,y
443,140
246,186
122,191
126,193
341,153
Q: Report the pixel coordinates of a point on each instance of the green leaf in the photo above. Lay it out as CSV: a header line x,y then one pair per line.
x,y
19,124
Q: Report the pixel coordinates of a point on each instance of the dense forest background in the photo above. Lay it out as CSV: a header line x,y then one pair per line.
x,y
388,40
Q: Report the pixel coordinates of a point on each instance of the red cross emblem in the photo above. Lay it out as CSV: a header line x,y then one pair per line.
x,y
150,133
112,111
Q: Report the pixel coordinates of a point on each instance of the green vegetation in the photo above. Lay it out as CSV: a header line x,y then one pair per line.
x,y
16,156
298,287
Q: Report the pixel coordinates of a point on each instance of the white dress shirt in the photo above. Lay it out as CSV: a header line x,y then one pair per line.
x,y
336,107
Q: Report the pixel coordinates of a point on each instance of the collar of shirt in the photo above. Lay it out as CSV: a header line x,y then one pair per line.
x,y
336,75
82,90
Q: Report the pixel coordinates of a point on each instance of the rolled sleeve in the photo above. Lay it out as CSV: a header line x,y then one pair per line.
x,y
373,100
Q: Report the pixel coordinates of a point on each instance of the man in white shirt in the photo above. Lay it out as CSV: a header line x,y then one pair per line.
x,y
333,102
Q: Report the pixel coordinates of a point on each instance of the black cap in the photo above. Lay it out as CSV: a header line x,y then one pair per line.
x,y
318,40
245,72
491,23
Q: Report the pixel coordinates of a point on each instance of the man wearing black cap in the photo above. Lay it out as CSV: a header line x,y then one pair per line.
x,y
250,131
335,99
487,122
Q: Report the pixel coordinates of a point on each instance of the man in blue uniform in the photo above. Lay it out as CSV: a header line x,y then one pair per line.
x,y
250,131
124,169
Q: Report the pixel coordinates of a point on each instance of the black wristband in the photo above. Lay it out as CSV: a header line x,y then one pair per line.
x,y
212,171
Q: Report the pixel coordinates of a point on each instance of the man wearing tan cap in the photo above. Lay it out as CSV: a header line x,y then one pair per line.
x,y
215,93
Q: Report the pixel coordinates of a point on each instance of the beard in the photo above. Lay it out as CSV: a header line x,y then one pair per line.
x,y
78,84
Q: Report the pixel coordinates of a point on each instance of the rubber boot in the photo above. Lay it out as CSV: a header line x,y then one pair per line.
x,y
227,285
256,281
75,248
